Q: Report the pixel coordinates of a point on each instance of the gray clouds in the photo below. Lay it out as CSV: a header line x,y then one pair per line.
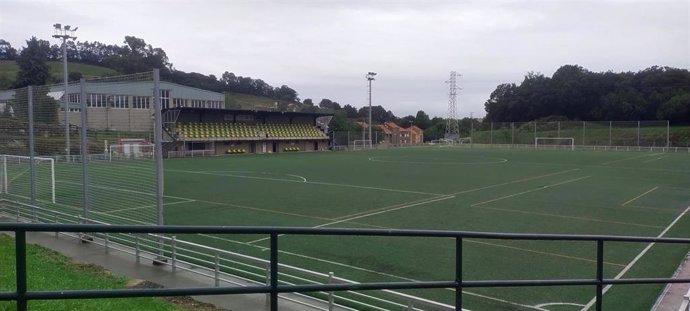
x,y
324,48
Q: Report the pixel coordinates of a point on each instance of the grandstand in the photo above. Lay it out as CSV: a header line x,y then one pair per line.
x,y
229,131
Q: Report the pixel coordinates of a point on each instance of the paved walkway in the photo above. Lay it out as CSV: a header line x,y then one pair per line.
x,y
673,293
124,264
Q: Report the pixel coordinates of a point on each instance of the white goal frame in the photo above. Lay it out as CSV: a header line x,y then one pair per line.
x,y
5,182
363,143
570,146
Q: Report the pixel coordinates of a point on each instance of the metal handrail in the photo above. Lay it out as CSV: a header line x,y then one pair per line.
x,y
22,295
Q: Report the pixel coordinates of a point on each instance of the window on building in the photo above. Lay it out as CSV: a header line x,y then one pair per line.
x,y
165,98
140,102
119,101
179,102
96,100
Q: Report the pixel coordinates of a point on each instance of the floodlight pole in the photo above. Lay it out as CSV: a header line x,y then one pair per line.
x,y
370,77
62,33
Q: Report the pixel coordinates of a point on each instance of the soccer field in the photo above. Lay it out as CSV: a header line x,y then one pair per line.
x,y
444,188
575,192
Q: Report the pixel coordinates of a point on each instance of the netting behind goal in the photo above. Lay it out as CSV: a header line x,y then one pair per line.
x,y
131,151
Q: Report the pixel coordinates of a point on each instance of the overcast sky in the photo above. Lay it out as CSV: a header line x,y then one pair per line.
x,y
323,49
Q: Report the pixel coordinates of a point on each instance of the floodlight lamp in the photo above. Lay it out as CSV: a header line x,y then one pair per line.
x,y
57,26
75,29
67,27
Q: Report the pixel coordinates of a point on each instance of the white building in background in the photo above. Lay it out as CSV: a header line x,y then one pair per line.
x,y
123,106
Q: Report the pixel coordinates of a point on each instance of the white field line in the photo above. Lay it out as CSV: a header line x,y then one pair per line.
x,y
559,304
631,158
233,173
637,258
123,190
639,196
654,159
204,201
369,214
306,182
571,217
335,263
529,191
513,182
146,206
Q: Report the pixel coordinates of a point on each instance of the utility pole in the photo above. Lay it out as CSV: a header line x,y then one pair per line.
x,y
65,33
370,77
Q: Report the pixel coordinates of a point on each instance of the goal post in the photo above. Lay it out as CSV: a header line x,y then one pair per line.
x,y
15,176
554,142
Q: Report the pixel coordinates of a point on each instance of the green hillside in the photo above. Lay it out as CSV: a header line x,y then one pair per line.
x,y
8,71
248,101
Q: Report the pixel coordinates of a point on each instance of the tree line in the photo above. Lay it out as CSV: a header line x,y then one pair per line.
x,y
575,93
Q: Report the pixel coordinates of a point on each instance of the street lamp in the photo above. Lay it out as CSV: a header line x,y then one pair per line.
x,y
370,77
65,33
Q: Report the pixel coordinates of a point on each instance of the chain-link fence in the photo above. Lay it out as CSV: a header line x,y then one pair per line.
x,y
85,149
628,135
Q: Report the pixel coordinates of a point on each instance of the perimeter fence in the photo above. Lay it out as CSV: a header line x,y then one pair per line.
x,y
83,147
614,135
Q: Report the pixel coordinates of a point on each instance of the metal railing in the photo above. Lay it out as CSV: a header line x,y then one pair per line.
x,y
273,288
219,265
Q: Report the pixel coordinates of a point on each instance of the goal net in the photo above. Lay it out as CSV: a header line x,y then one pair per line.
x,y
554,143
126,151
361,144
16,181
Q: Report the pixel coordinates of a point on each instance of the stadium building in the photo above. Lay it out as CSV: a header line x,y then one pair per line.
x,y
194,120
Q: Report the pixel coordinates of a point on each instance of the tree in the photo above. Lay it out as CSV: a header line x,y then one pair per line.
x,y
422,120
308,102
7,52
350,112
33,66
677,109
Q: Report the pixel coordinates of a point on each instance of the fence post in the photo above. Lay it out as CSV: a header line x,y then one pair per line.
x,y
32,170
458,274
137,248
83,147
158,154
638,134
20,268
268,283
57,221
274,272
600,274
410,305
330,294
583,132
512,134
559,129
216,270
668,134
491,135
173,245
535,134
105,242
610,127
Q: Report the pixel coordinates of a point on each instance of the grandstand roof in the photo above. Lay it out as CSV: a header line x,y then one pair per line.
x,y
256,112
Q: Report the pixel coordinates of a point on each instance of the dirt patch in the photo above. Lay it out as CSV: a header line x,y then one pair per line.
x,y
184,302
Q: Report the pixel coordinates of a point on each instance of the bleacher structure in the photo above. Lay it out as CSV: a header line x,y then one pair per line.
x,y
228,131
